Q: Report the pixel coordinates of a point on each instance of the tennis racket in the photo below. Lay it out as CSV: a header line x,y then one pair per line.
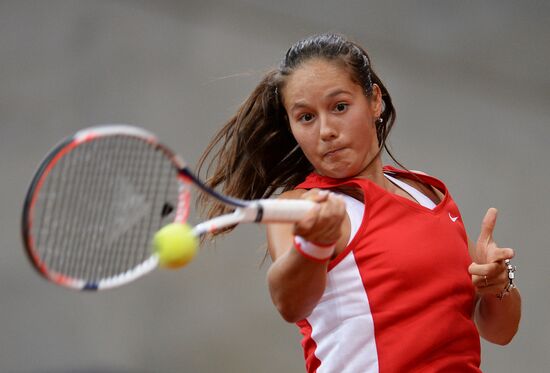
x,y
100,195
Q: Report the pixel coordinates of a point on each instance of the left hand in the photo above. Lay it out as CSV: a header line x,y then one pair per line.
x,y
489,273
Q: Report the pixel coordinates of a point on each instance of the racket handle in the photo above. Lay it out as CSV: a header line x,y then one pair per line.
x,y
284,210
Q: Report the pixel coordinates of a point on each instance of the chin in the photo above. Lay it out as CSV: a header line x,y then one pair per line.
x,y
338,173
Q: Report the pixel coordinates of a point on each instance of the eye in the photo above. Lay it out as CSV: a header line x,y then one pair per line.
x,y
341,107
307,117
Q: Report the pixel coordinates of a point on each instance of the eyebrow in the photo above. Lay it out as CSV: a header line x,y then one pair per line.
x,y
302,104
336,92
298,105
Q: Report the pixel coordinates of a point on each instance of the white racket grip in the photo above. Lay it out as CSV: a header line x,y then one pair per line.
x,y
284,210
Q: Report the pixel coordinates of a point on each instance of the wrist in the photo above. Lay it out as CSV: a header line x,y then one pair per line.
x,y
314,251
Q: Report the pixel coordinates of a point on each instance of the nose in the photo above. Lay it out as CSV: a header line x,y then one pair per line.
x,y
327,128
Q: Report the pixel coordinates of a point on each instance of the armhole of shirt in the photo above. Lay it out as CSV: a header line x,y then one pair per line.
x,y
355,210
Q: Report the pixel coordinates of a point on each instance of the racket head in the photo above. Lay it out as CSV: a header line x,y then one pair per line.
x,y
95,203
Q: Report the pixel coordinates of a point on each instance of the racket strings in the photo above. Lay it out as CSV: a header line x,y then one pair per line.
x,y
110,157
151,167
74,230
92,186
100,205
127,209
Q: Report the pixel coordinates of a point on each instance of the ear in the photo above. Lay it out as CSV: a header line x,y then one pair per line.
x,y
376,101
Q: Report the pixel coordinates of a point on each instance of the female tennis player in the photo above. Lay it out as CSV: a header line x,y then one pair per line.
x,y
380,276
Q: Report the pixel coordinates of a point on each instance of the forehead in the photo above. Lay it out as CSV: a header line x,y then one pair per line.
x,y
315,77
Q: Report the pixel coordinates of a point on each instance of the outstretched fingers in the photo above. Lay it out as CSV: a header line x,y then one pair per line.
x,y
488,226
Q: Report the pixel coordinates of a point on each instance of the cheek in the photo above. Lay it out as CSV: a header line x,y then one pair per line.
x,y
362,126
306,139
299,132
295,132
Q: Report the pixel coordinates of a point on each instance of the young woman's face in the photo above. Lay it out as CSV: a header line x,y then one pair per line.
x,y
331,118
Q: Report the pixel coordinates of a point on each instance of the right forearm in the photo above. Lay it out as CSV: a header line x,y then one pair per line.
x,y
296,284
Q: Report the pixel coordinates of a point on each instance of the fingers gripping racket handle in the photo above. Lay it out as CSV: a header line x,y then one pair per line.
x,y
284,210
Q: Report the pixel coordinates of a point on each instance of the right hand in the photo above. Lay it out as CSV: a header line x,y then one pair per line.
x,y
323,223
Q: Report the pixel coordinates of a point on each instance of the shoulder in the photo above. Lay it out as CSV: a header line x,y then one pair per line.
x,y
440,194
421,184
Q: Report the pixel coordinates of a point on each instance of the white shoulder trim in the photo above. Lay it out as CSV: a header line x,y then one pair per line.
x,y
420,197
419,172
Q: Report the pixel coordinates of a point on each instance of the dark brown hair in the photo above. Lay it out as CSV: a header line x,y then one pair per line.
x,y
255,154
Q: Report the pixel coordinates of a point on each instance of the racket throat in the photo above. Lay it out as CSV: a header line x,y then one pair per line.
x,y
248,214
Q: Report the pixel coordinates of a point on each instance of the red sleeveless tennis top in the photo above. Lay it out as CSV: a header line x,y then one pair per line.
x,y
399,298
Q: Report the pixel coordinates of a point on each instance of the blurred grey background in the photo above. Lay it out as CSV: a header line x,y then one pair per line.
x,y
471,85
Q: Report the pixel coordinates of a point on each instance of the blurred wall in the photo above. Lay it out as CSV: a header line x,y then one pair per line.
x,y
471,87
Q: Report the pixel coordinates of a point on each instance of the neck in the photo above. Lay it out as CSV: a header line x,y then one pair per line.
x,y
375,173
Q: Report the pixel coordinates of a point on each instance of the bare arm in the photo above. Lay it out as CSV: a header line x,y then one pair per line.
x,y
296,283
497,319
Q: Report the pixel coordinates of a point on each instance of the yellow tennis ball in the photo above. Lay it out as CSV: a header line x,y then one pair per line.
x,y
175,244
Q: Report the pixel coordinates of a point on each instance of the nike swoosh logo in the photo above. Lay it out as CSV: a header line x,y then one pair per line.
x,y
453,219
